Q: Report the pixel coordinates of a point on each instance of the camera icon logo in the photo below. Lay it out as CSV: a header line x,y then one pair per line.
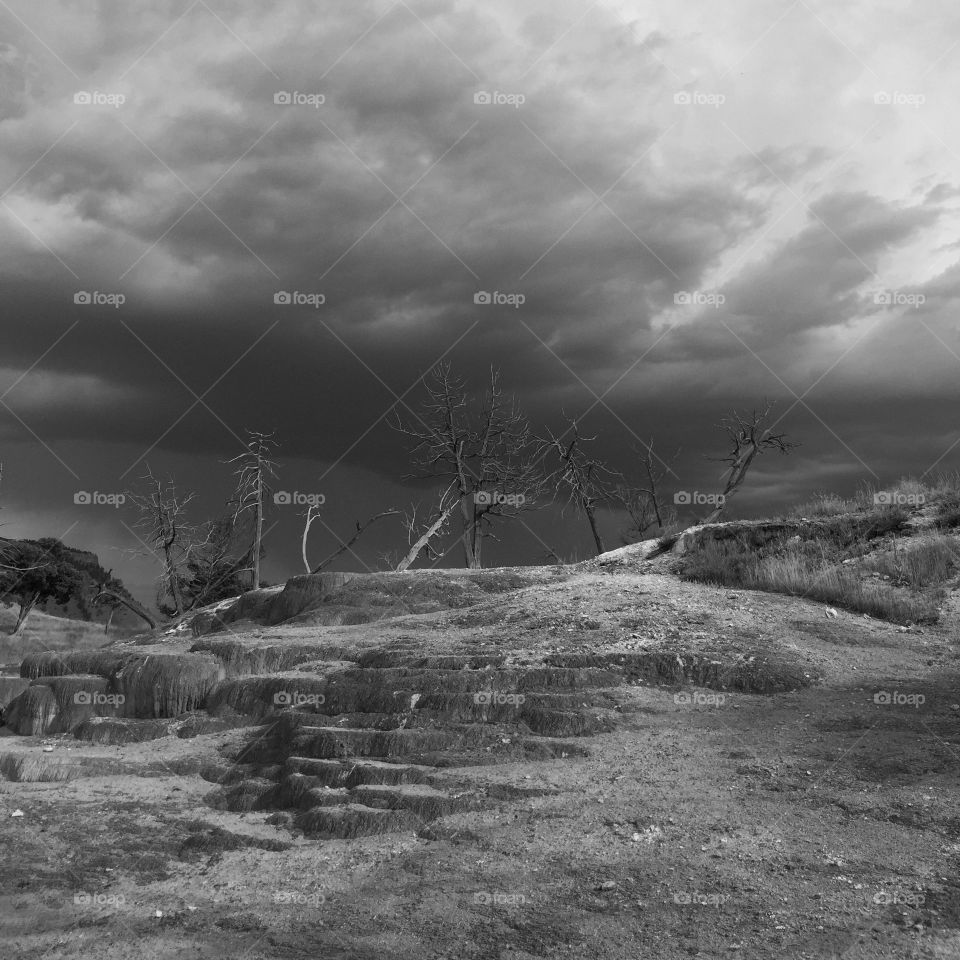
x,y
282,498
82,97
682,497
82,498
82,697
483,498
881,96
282,297
482,296
282,98
683,97
882,696
82,296
283,698
482,97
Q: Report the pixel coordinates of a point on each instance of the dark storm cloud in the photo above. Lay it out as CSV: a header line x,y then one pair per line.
x,y
592,193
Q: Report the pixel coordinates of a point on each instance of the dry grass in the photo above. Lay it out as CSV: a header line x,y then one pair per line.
x,y
941,490
814,574
928,562
824,504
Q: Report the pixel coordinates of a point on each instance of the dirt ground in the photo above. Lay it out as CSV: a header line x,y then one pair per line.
x,y
822,822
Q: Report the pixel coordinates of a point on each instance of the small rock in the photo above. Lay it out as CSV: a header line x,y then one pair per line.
x,y
830,612
48,749
17,813
608,885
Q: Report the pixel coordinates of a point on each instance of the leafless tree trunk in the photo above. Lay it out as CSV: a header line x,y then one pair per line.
x,y
252,487
26,605
748,438
448,503
163,519
587,482
485,454
642,500
129,604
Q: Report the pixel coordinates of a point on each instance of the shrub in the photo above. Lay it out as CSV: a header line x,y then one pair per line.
x,y
811,567
928,563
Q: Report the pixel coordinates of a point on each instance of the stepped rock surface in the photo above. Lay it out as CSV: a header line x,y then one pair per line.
x,y
590,761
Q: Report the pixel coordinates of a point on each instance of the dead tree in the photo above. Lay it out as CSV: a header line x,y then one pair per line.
x,y
117,600
483,450
748,439
253,474
585,481
165,531
109,592
642,500
419,537
345,545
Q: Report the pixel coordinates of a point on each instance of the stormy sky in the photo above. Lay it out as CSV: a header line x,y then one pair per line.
x,y
686,208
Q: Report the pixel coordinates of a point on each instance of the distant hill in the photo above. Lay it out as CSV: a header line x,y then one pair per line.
x,y
93,574
45,632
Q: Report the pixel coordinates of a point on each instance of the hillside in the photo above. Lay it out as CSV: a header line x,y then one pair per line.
x,y
608,760
80,608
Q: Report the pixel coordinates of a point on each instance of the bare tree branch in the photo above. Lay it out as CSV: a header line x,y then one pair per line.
x,y
344,545
748,438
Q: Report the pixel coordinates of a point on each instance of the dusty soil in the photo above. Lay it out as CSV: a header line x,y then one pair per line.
x,y
820,822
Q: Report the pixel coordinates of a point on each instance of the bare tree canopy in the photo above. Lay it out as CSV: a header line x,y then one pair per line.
x,y
162,527
483,448
748,437
580,479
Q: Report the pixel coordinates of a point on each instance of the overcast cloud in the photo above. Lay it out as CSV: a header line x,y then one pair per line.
x,y
700,206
